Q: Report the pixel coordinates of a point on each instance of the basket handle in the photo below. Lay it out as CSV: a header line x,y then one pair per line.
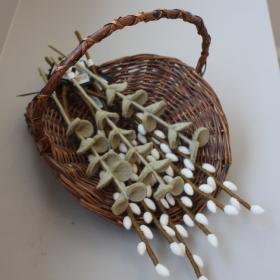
x,y
120,23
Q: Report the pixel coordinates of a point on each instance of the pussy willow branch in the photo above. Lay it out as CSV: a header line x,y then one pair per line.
x,y
92,103
196,189
198,166
136,227
228,191
158,225
170,239
181,239
203,228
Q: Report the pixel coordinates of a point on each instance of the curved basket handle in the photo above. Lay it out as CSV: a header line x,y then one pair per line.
x,y
120,23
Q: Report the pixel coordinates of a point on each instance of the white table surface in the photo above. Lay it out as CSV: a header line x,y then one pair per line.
x,y
45,234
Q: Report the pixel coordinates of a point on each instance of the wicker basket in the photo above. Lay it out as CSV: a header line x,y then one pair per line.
x,y
187,94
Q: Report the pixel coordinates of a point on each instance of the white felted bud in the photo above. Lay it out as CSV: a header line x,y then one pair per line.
x,y
147,232
233,201
206,188
141,129
116,195
148,217
229,185
209,167
230,210
184,150
162,270
90,157
188,220
213,240
142,139
159,134
127,223
169,231
134,143
149,191
134,177
188,164
211,205
123,148
202,278
165,148
172,157
187,173
150,204
135,208
164,219
201,218
102,173
141,248
164,203
155,154
139,115
188,189
176,249
187,201
182,231
169,171
257,210
167,179
122,155
198,260
211,182
170,199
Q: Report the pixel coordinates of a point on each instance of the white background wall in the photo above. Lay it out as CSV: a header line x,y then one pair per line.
x,y
7,9
45,234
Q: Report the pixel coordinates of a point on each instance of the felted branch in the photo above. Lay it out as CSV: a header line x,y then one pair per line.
x,y
181,239
152,168
200,137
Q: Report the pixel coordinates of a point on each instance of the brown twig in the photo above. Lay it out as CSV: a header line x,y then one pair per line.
x,y
181,239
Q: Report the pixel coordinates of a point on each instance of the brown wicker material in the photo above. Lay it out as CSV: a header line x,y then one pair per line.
x,y
187,94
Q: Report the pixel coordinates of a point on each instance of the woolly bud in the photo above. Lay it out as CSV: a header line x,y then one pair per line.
x,y
147,217
127,223
231,210
213,240
141,248
164,219
201,218
198,260
188,221
162,270
209,167
257,210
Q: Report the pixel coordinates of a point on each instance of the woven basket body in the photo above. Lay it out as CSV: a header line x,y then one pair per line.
x,y
187,94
